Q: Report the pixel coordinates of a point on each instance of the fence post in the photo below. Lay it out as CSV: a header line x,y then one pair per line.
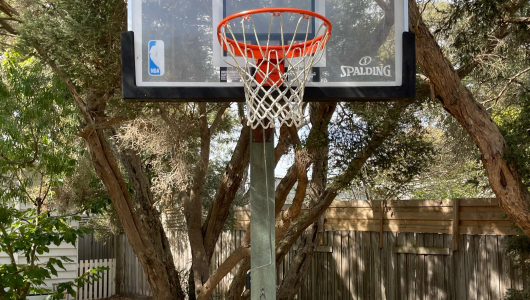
x,y
456,223
112,289
119,264
381,224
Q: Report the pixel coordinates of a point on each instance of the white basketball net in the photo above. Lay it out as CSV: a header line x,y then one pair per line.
x,y
275,99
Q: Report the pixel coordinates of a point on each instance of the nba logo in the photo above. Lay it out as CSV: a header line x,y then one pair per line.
x,y
156,58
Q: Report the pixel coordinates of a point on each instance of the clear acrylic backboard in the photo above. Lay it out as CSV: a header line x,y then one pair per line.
x,y
171,50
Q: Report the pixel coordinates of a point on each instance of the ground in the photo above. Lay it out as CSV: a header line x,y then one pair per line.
x,y
121,297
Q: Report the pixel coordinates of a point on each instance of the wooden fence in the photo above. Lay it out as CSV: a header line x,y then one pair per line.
x,y
406,252
473,216
133,281
105,286
91,248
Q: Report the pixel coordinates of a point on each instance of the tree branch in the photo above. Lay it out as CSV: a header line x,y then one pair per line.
x,y
284,219
284,142
20,162
517,20
489,48
301,162
328,195
7,27
91,128
231,180
69,84
9,248
504,178
218,117
8,9
228,264
193,205
505,88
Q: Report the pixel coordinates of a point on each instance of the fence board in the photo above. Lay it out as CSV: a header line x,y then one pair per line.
x,y
471,290
353,264
385,252
344,278
495,261
393,267
362,267
505,282
449,268
420,270
459,267
481,270
439,268
366,258
377,265
321,275
331,268
430,268
411,267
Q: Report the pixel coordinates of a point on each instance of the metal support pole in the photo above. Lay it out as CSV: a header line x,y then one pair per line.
x,y
262,219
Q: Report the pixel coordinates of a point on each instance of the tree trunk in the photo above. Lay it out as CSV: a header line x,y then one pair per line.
x,y
299,266
146,236
503,176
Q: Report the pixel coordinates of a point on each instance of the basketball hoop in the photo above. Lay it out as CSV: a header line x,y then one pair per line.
x,y
274,76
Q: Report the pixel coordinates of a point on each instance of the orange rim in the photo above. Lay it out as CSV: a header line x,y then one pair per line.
x,y
257,50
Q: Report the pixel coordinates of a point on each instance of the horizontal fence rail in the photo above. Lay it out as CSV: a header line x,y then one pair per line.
x,y
473,216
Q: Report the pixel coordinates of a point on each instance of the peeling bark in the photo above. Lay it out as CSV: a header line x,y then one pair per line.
x,y
158,266
150,221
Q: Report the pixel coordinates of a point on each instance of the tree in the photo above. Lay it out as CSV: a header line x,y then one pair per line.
x,y
35,122
30,232
79,41
493,61
447,86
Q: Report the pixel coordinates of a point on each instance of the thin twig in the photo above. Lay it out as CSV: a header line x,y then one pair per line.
x,y
505,88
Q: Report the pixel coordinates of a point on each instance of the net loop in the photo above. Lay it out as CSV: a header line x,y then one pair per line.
x,y
274,76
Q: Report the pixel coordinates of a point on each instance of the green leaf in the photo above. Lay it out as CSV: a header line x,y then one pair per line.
x,y
60,264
